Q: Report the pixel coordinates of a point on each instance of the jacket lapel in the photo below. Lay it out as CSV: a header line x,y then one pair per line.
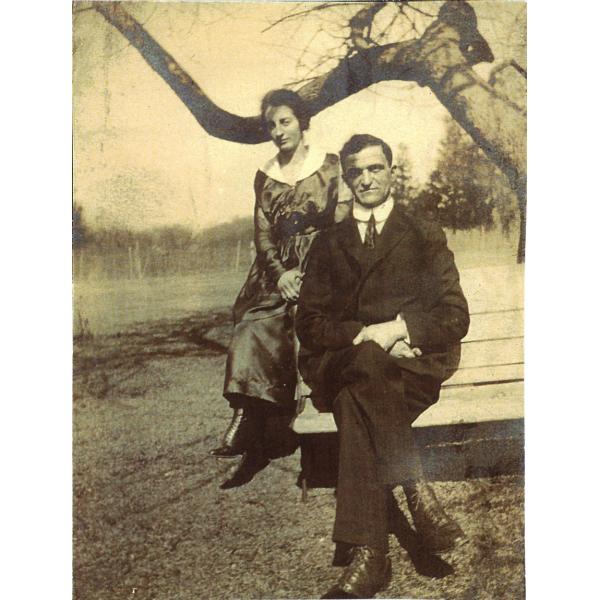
x,y
350,242
392,233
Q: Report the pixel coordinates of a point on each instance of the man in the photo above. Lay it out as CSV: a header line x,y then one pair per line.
x,y
379,308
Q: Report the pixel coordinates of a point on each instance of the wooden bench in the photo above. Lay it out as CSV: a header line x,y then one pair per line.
x,y
476,428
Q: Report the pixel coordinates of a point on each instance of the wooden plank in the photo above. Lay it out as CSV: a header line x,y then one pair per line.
x,y
495,325
497,373
312,421
469,404
498,392
499,404
493,288
491,352
460,401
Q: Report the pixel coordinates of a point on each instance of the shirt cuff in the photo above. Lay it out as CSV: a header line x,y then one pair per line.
x,y
399,317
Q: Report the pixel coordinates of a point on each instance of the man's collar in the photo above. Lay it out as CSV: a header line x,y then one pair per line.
x,y
381,211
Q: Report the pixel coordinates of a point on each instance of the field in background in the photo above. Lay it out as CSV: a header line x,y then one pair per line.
x,y
111,305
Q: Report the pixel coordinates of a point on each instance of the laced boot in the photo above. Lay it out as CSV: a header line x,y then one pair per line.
x,y
369,572
438,532
241,433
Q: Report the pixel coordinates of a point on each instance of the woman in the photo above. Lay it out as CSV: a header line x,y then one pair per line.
x,y
296,197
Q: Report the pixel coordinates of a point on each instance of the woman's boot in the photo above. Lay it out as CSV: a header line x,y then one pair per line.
x,y
242,432
253,461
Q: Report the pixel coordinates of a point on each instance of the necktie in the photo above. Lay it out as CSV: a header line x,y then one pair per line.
x,y
371,233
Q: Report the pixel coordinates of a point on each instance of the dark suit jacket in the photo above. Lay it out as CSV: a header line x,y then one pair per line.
x,y
412,272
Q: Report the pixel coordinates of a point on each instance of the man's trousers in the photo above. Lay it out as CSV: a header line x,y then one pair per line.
x,y
374,402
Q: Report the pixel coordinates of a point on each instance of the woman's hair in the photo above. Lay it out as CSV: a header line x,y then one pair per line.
x,y
283,97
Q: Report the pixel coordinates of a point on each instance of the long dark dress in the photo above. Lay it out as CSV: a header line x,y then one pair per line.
x,y
261,362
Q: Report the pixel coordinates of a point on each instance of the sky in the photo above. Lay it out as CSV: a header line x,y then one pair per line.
x,y
141,159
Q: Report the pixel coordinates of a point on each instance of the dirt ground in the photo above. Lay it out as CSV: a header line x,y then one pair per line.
x,y
150,521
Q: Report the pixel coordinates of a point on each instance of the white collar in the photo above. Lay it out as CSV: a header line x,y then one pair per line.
x,y
313,161
381,211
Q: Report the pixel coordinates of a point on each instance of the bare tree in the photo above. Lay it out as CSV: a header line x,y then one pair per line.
x,y
440,57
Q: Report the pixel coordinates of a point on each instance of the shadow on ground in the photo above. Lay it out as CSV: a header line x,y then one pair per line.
x,y
150,521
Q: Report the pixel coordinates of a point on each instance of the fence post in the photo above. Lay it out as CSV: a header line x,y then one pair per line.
x,y
138,260
237,255
130,255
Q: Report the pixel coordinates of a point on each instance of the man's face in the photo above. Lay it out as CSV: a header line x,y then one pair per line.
x,y
369,176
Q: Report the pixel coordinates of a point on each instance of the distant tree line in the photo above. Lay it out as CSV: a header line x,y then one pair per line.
x,y
465,191
115,253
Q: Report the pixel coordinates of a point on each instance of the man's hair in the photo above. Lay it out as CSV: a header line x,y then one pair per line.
x,y
283,97
359,142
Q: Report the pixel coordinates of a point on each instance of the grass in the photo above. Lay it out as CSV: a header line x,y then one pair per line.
x,y
150,521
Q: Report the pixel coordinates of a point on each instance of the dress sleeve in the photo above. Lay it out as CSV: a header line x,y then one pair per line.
x,y
266,249
344,198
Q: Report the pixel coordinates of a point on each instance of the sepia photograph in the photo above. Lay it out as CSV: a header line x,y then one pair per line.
x,y
298,253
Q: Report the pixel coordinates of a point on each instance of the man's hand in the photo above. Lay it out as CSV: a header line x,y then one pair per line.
x,y
289,285
402,350
384,334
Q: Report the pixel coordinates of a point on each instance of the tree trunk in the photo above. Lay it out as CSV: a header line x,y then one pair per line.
x,y
521,195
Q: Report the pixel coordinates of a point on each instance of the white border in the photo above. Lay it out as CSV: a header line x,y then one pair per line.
x,y
561,303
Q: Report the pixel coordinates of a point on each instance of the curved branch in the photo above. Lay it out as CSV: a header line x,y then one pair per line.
x,y
350,76
440,59
216,121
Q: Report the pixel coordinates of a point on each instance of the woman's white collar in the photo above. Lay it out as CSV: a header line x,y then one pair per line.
x,y
313,161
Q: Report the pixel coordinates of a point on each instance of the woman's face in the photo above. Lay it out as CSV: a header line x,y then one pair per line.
x,y
283,127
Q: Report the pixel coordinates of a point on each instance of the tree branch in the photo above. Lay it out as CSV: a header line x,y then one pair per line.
x,y
361,24
509,63
76,11
300,13
214,120
440,59
350,76
417,9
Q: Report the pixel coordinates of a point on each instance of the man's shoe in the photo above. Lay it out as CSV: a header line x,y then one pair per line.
x,y
240,434
369,572
438,532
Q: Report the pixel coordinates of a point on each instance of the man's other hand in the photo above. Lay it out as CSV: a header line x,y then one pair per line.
x,y
289,285
402,350
383,334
